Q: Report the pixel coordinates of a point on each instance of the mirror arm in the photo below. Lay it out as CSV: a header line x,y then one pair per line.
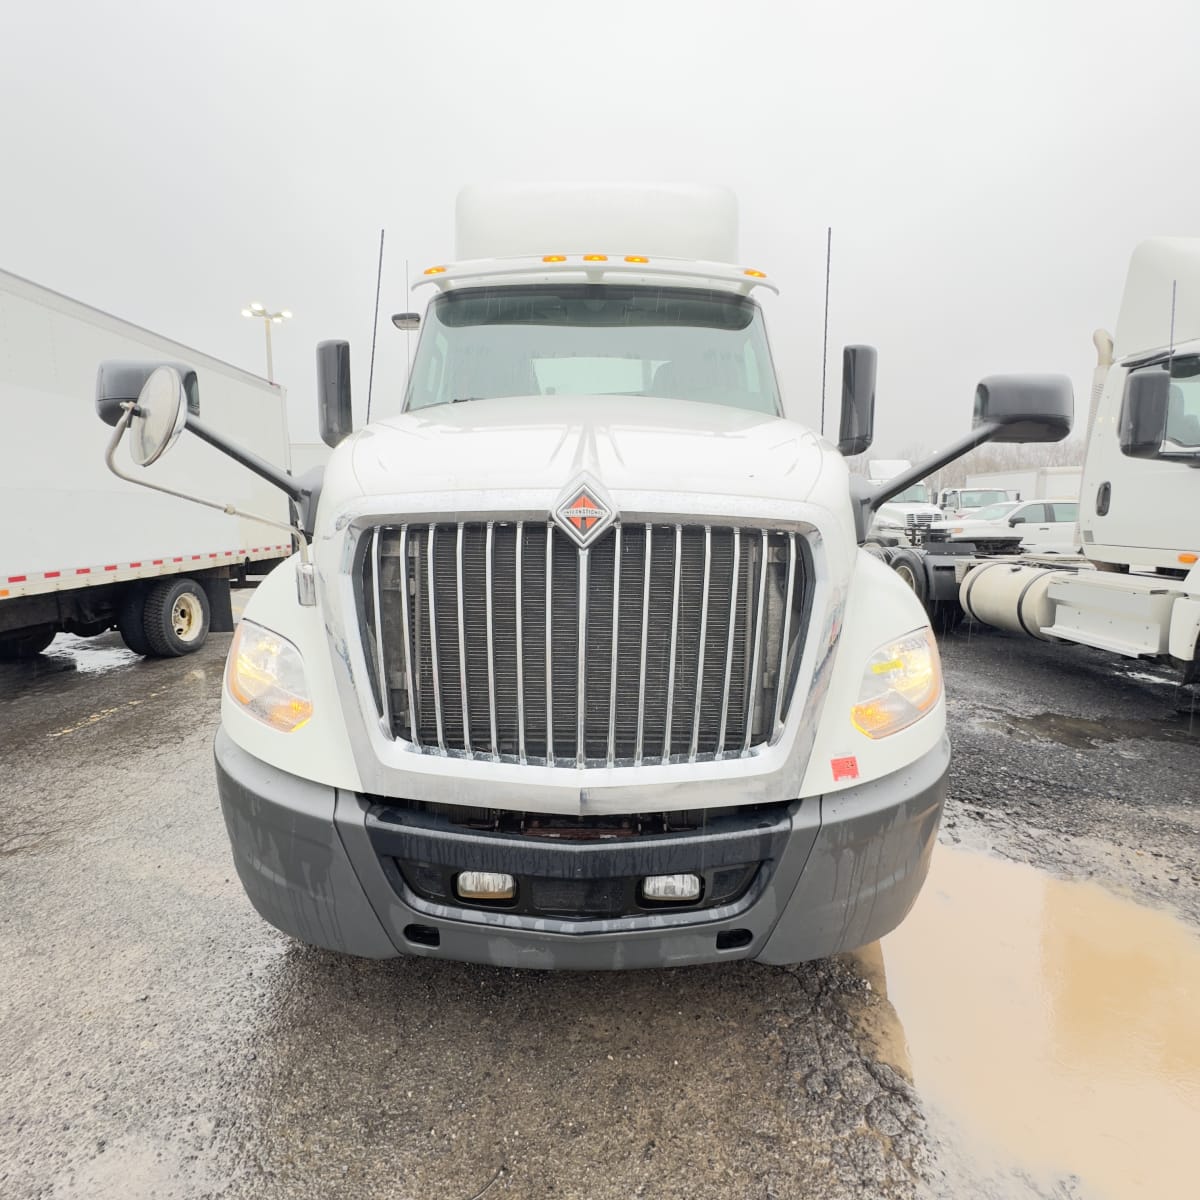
x,y
265,470
893,487
305,577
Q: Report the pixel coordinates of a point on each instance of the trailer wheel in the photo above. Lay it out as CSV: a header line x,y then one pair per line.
x,y
15,646
131,618
175,620
910,566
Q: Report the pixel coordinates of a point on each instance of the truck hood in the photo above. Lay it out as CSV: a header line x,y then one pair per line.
x,y
625,442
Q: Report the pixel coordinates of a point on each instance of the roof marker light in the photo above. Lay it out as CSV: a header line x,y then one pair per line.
x,y
636,258
434,270
756,274
595,258
554,258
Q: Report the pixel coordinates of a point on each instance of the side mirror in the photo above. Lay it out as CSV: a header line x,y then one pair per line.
x,y
1027,408
1143,423
159,417
857,427
1016,521
333,391
406,320
121,382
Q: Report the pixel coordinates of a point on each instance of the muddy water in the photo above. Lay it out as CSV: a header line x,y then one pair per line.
x,y
1052,1028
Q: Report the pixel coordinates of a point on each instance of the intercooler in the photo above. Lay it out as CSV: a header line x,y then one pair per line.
x,y
503,640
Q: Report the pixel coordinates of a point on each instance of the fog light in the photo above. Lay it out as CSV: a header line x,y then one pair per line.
x,y
671,887
485,885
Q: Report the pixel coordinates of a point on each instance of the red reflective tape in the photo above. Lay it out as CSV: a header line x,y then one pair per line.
x,y
195,557
158,562
241,552
212,556
253,549
844,768
111,567
52,574
228,554
83,570
16,579
135,564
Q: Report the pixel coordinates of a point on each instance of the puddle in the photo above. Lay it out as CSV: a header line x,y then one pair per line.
x,y
1079,733
1049,1026
89,656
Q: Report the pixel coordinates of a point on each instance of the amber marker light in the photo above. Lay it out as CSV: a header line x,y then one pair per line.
x,y
1187,558
756,274
554,258
595,258
435,270
636,258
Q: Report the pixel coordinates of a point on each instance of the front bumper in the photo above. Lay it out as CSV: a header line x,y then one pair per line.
x,y
836,872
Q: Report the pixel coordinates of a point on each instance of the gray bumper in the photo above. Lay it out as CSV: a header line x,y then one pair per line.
x,y
837,872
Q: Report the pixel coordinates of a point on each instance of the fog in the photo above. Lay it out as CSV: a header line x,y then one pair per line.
x,y
986,169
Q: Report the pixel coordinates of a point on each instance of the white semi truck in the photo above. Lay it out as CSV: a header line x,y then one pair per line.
x,y
992,487
81,551
581,663
1135,590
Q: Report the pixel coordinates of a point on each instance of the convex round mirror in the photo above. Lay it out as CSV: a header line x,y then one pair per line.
x,y
160,417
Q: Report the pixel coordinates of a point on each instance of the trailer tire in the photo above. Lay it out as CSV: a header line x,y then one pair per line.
x,y
876,550
131,620
175,620
27,644
910,566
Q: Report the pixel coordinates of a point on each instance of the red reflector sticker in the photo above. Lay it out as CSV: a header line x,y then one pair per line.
x,y
844,768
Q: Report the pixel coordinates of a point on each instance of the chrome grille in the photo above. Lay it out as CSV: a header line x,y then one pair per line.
x,y
659,643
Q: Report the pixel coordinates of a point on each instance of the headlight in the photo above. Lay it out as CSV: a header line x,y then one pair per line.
x,y
902,682
265,675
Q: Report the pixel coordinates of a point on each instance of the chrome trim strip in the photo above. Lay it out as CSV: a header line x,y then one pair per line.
x,y
520,650
462,640
612,694
581,660
666,754
549,642
755,654
703,634
783,641
733,603
433,644
385,695
491,653
641,724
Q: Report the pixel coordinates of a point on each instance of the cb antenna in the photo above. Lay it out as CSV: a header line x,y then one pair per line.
x,y
825,335
375,326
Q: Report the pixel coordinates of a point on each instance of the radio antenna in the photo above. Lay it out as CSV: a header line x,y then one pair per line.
x,y
375,326
825,335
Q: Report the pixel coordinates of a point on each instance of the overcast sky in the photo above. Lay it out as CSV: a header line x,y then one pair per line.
x,y
986,167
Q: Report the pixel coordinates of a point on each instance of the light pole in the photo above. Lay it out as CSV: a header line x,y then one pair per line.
x,y
260,312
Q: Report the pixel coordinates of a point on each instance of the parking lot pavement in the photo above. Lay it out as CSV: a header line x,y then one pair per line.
x,y
156,1038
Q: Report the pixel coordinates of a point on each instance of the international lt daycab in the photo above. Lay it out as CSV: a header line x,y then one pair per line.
x,y
585,666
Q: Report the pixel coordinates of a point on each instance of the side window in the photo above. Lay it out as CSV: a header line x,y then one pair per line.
x,y
1028,514
1183,403
1065,512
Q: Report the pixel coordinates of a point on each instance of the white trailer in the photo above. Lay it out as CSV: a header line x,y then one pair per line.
x,y
82,551
1032,483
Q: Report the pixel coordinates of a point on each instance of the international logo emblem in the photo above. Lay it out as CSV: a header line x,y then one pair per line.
x,y
584,513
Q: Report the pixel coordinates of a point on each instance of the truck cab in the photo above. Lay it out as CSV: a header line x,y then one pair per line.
x,y
585,666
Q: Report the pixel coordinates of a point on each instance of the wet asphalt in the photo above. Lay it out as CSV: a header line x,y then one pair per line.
x,y
158,1039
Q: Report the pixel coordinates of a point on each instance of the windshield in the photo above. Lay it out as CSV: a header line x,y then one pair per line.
x,y
593,340
917,494
978,499
993,512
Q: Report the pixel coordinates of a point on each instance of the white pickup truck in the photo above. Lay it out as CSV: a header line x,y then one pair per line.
x,y
585,666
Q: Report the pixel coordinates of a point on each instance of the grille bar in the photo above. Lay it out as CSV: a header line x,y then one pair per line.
x,y
658,643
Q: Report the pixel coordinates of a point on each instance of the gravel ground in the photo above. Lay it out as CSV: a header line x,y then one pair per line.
x,y
157,1039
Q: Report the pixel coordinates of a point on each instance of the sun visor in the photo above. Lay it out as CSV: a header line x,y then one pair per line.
x,y
670,220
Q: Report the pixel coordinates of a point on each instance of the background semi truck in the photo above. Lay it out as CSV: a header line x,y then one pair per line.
x,y
82,551
1034,483
580,663
1135,590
